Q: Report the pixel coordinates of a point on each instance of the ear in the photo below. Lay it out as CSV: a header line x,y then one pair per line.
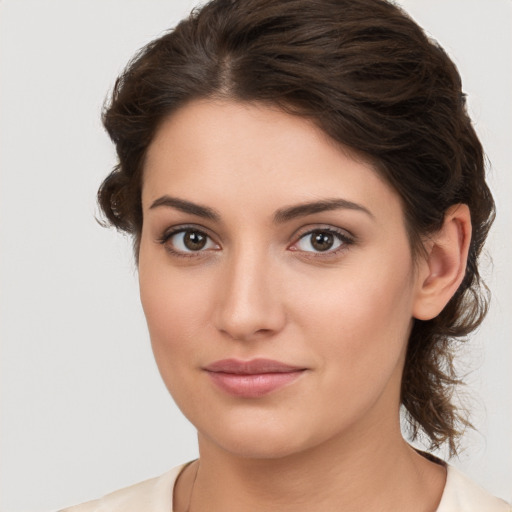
x,y
442,270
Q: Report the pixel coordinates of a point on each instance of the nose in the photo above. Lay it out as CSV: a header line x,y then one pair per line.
x,y
249,304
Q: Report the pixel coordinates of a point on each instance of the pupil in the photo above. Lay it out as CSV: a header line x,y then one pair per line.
x,y
194,240
322,241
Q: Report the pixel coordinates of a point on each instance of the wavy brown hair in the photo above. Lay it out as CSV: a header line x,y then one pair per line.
x,y
368,76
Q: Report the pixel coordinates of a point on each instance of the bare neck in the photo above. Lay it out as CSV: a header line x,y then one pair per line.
x,y
380,473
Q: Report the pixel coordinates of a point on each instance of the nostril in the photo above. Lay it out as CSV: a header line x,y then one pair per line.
x,y
248,328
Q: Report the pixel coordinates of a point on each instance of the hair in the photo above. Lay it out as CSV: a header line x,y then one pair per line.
x,y
370,78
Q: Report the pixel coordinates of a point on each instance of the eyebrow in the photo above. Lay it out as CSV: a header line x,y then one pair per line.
x,y
282,215
186,207
301,210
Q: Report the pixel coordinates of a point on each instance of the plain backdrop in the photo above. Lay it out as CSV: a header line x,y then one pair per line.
x,y
83,409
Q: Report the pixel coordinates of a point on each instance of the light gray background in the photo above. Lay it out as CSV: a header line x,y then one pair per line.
x,y
83,408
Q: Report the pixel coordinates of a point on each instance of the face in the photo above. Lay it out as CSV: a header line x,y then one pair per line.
x,y
276,278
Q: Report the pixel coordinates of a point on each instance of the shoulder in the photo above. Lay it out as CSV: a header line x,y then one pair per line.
x,y
463,495
153,495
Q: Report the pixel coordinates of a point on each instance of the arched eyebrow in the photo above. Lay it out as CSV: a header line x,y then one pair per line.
x,y
324,205
186,207
282,215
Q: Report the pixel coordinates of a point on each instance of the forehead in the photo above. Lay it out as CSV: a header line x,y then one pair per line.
x,y
219,151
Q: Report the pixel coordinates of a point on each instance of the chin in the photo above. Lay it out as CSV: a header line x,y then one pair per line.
x,y
263,434
258,443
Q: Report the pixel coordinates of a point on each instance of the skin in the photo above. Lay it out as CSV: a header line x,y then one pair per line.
x,y
330,440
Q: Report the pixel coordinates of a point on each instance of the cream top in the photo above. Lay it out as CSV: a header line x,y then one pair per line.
x,y
156,495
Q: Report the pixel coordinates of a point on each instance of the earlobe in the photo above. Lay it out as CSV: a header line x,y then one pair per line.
x,y
443,269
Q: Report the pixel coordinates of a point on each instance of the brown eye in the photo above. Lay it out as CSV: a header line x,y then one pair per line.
x,y
194,240
322,240
188,241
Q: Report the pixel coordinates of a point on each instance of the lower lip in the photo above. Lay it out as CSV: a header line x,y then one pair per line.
x,y
254,385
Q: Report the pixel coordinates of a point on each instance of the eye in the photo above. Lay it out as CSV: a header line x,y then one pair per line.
x,y
187,240
321,240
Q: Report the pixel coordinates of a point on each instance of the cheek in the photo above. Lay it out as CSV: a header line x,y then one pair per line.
x,y
171,311
360,320
359,335
175,309
173,316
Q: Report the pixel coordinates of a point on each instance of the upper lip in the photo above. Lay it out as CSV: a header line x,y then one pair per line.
x,y
252,367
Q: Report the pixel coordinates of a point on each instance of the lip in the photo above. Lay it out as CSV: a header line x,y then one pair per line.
x,y
252,379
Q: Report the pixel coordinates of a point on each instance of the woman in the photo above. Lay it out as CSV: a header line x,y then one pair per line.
x,y
307,201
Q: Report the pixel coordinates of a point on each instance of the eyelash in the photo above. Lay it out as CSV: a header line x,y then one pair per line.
x,y
164,239
341,235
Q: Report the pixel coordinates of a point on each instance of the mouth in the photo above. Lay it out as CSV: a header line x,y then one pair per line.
x,y
251,379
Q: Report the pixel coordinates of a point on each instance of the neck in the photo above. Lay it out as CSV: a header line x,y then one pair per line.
x,y
377,471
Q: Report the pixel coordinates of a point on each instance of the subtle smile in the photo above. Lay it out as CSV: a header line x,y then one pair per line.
x,y
251,379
